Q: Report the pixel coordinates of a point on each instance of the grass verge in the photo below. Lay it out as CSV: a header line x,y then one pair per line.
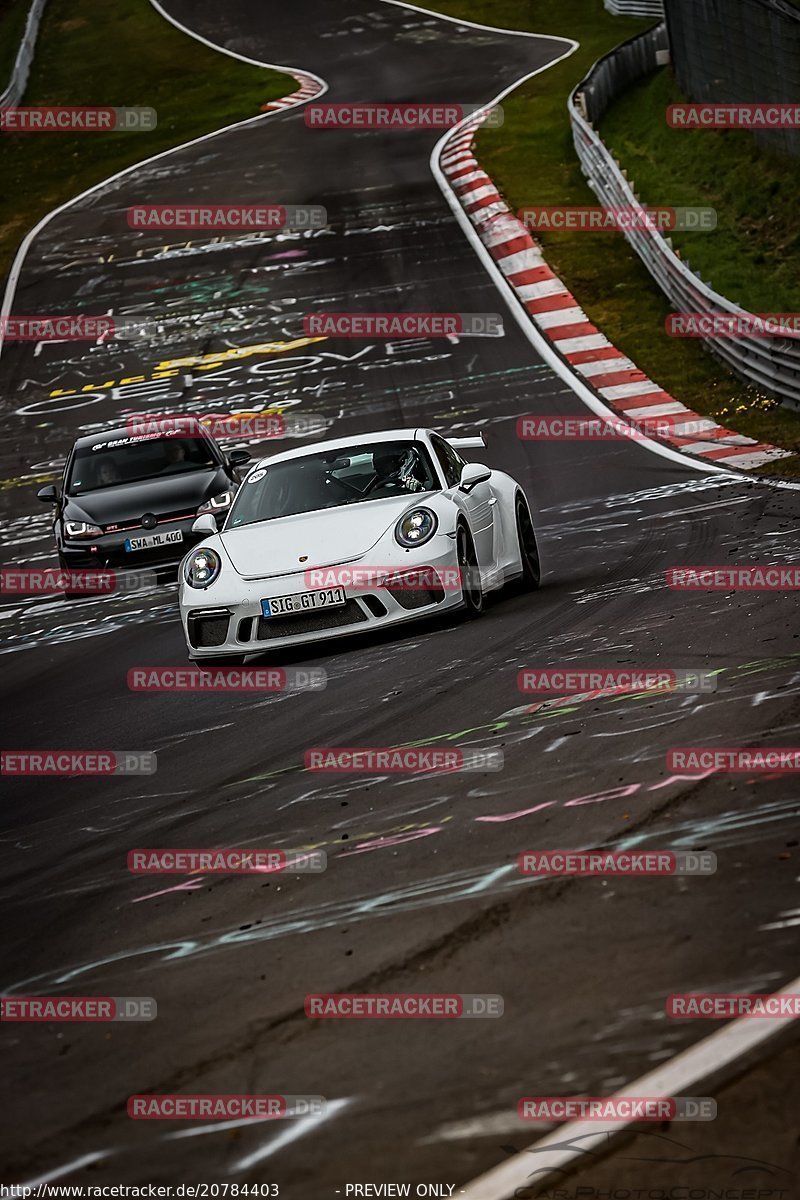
x,y
92,52
753,256
533,161
13,17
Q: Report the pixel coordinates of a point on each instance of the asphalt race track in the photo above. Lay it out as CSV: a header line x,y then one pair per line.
x,y
421,893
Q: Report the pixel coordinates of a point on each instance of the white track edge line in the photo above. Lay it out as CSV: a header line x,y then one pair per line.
x,y
690,1067
550,37
254,62
59,1172
27,242
295,1131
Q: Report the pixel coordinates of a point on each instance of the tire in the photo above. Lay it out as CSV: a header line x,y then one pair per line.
x,y
528,550
219,660
468,565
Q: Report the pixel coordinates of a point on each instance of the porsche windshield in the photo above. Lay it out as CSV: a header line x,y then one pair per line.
x,y
131,460
333,478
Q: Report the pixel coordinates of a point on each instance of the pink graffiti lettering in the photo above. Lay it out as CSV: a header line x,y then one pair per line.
x,y
397,840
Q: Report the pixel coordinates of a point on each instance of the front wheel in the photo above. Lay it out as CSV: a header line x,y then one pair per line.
x,y
471,589
528,550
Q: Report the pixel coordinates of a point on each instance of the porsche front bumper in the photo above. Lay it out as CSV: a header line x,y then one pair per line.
x,y
227,618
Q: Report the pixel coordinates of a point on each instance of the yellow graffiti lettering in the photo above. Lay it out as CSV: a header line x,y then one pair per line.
x,y
237,352
202,362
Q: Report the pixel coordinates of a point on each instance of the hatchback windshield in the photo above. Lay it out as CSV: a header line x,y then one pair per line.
x,y
333,478
131,460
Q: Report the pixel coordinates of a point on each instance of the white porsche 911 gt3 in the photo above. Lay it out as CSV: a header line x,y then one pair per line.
x,y
352,534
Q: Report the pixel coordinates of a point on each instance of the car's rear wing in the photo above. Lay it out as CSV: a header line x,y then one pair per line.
x,y
467,443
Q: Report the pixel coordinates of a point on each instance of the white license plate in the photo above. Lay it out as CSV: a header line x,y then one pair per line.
x,y
286,606
154,539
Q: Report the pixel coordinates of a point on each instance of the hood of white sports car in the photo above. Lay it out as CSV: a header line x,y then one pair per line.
x,y
319,539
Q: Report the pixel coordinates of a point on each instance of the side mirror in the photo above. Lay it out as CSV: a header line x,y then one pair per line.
x,y
472,475
237,458
48,494
205,524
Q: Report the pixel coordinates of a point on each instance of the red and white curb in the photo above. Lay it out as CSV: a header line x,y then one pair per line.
x,y
615,379
310,86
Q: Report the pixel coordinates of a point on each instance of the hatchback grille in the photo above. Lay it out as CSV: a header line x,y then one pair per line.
x,y
163,519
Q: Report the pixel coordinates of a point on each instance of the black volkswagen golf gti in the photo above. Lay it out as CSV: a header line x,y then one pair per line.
x,y
130,500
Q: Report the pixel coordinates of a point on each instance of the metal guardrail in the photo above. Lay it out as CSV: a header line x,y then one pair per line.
x,y
22,66
635,8
770,364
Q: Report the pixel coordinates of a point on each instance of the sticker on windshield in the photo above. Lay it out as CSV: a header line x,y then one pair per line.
x,y
132,441
254,478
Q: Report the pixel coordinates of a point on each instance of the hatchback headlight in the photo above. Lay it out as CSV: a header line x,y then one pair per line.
x,y
78,529
202,567
416,527
223,500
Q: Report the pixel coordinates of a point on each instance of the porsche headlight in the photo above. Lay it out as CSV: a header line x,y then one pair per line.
x,y
217,503
77,529
416,527
202,567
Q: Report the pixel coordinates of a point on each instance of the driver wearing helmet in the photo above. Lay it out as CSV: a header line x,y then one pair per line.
x,y
394,469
